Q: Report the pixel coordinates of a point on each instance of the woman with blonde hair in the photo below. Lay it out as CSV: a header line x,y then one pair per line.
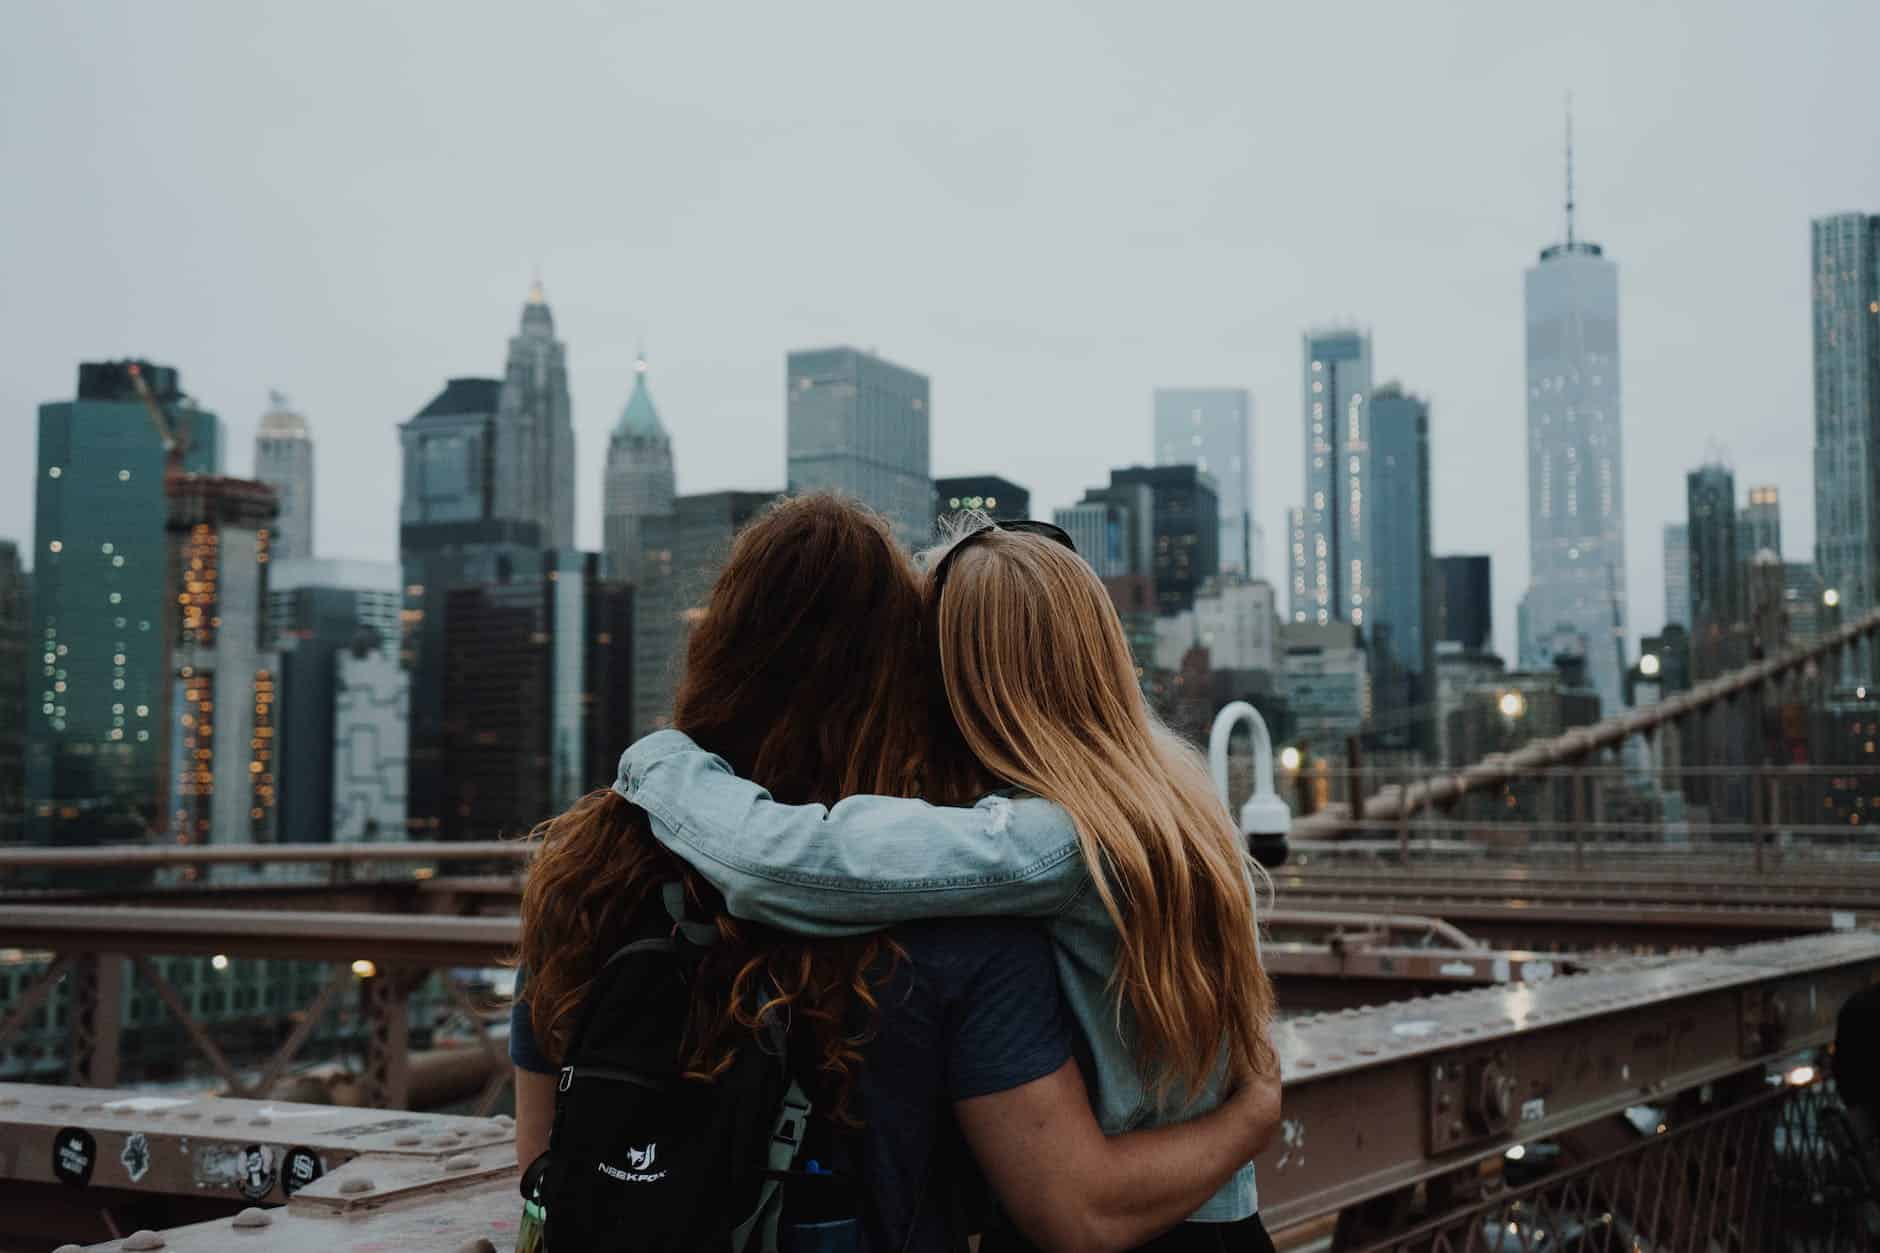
x,y
1111,833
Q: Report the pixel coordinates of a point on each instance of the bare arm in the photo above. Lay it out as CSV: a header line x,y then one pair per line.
x,y
535,1114
1068,1187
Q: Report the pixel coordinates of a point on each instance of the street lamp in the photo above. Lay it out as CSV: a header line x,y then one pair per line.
x,y
1831,598
1512,704
1648,665
1289,757
1264,819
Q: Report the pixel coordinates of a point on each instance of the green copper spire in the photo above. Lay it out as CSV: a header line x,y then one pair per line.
x,y
639,417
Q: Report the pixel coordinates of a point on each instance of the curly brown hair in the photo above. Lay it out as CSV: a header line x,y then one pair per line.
x,y
807,672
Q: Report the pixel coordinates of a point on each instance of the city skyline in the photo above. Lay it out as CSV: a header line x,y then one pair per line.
x,y
1668,184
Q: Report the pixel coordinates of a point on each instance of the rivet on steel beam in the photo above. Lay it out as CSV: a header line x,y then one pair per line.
x,y
463,1161
356,1184
478,1245
9,1100
441,1142
57,1106
145,1239
68,1248
95,1107
408,1141
190,1115
223,1118
252,1217
260,1120
502,1120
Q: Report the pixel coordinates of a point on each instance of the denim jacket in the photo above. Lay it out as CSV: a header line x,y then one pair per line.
x,y
869,862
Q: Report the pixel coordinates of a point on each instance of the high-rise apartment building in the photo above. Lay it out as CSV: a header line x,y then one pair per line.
x,y
1184,529
224,715
1127,512
15,626
1678,574
639,482
284,461
318,611
1338,458
1759,524
100,673
1325,678
1576,470
685,550
1400,617
532,474
860,426
1845,266
1465,614
450,535
1211,428
1717,591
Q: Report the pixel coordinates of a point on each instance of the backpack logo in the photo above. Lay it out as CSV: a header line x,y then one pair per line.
x,y
639,1167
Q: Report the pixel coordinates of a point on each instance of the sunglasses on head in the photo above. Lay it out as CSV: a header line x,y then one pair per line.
x,y
1046,529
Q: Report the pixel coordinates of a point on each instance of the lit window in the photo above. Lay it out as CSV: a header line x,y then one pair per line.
x,y
56,546
54,472
124,476
107,548
117,598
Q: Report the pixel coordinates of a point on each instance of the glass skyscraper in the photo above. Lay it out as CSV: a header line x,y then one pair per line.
x,y
1759,523
284,461
1845,256
1678,575
449,536
1338,529
1576,471
1184,530
1211,428
1400,628
98,682
860,426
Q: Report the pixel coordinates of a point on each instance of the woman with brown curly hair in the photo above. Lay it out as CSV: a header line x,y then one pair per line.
x,y
806,671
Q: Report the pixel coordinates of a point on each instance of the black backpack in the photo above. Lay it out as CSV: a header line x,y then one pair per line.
x,y
640,1156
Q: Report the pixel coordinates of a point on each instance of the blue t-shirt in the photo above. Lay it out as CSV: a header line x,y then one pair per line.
x,y
972,1010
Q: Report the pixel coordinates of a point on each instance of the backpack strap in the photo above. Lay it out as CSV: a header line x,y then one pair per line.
x,y
702,934
786,1138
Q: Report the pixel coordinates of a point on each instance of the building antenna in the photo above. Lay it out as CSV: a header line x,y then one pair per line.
x,y
1569,171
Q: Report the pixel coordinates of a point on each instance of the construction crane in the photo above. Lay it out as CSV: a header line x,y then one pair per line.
x,y
173,438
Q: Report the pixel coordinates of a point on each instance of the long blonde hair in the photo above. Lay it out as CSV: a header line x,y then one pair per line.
x,y
1039,677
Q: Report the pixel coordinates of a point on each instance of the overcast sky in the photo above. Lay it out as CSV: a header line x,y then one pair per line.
x,y
1048,208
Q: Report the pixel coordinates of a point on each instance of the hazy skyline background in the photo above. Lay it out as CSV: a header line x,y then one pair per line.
x,y
1049,209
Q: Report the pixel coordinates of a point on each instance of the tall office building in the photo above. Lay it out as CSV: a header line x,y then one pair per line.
x,y
1717,591
685,550
1400,618
1128,513
1465,613
15,626
996,497
1759,524
97,768
860,426
1846,272
536,694
284,461
1338,457
1211,428
533,469
1678,574
639,479
1576,479
224,712
1184,529
449,535
317,611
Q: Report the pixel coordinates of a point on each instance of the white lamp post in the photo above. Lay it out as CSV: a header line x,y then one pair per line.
x,y
1264,819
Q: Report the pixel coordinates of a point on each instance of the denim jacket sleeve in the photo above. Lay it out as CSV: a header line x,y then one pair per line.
x,y
864,864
